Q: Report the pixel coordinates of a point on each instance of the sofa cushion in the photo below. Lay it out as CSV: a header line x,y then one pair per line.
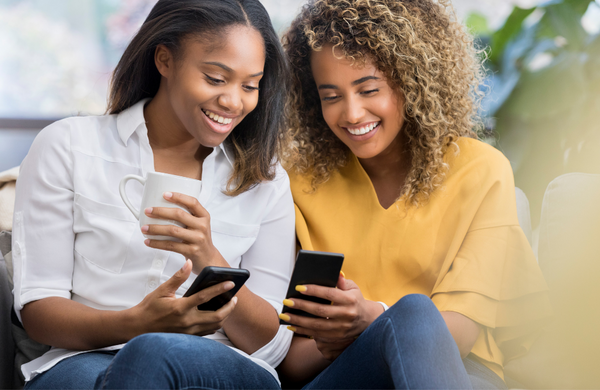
x,y
565,354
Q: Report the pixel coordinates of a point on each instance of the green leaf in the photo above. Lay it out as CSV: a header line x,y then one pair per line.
x,y
579,6
509,30
565,21
477,24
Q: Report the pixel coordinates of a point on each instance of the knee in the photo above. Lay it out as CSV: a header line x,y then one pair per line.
x,y
418,313
158,345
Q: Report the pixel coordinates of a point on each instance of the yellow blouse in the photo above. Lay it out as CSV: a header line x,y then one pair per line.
x,y
464,248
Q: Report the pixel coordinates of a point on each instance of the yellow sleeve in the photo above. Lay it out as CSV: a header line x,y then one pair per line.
x,y
494,278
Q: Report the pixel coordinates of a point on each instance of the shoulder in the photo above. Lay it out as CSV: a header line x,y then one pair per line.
x,y
74,129
476,156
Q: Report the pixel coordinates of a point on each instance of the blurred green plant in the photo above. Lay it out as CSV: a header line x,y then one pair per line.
x,y
543,101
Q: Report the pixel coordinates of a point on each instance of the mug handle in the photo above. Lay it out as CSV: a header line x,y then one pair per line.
x,y
123,193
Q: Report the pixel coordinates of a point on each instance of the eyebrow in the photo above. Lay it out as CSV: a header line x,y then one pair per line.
x,y
354,83
228,69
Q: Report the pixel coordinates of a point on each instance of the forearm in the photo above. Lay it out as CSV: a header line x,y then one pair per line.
x,y
303,362
64,323
464,331
253,323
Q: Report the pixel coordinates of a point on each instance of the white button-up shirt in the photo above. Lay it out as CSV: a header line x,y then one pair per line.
x,y
74,238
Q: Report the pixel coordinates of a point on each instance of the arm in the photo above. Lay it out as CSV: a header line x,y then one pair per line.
x,y
303,362
463,329
254,322
68,324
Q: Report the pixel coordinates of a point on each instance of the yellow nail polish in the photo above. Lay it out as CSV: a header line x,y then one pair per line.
x,y
343,274
301,288
284,317
288,303
291,328
311,337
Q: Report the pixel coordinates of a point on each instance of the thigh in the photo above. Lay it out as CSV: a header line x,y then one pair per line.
x,y
178,361
77,372
482,377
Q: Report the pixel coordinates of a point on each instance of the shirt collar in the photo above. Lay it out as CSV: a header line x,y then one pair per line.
x,y
226,149
129,120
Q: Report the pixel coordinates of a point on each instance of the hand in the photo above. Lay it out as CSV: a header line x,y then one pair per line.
x,y
161,311
338,324
196,237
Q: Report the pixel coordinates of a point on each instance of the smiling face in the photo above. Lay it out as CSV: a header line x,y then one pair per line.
x,y
358,104
211,87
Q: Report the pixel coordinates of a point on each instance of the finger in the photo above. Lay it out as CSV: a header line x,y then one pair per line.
x,y
174,231
329,293
208,293
188,202
321,310
171,246
172,214
170,286
315,325
346,284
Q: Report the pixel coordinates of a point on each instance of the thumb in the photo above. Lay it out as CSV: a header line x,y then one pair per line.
x,y
346,284
178,278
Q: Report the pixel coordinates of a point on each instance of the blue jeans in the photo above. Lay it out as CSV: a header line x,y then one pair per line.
x,y
159,361
407,347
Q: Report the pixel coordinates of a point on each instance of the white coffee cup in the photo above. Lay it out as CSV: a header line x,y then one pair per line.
x,y
155,185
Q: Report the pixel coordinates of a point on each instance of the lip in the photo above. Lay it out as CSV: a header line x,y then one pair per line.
x,y
362,137
217,127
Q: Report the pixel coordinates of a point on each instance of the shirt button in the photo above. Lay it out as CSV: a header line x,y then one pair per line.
x,y
152,285
158,263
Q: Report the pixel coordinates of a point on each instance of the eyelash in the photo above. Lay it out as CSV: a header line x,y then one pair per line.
x,y
332,98
215,81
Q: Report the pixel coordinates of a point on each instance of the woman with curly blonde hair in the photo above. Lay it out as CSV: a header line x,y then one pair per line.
x,y
439,285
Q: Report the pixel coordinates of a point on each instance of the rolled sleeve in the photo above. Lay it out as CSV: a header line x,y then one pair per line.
x,y
43,220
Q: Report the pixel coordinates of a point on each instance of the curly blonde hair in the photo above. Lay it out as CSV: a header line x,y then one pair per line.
x,y
425,54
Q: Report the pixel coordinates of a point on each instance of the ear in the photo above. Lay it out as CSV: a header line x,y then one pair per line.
x,y
163,59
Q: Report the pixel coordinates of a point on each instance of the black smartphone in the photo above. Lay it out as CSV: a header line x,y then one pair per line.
x,y
312,267
214,275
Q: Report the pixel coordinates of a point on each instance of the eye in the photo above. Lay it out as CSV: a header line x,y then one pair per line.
x,y
214,81
329,98
369,92
250,88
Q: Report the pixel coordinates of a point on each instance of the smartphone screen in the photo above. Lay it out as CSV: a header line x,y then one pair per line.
x,y
312,267
214,275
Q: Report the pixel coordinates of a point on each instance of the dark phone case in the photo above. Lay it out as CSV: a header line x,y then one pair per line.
x,y
214,275
322,268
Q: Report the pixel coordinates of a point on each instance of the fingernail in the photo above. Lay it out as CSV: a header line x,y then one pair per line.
x,y
291,328
229,285
343,274
288,302
301,288
147,241
148,210
168,195
145,228
184,264
234,300
311,337
284,317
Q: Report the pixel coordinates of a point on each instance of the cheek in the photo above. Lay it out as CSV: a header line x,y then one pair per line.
x,y
330,116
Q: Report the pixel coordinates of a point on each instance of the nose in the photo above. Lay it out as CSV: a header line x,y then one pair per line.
x,y
353,111
231,100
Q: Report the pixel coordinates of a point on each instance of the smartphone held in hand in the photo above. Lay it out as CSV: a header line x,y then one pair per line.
x,y
214,275
312,267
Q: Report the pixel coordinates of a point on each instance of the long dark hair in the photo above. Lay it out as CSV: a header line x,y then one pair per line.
x,y
255,142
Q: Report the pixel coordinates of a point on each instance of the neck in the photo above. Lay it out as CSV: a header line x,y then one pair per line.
x,y
167,134
393,162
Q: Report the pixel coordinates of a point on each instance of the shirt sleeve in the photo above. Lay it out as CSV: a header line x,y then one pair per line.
x,y
270,261
43,237
494,278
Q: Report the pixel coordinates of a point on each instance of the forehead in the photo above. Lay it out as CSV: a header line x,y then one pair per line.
x,y
331,64
238,45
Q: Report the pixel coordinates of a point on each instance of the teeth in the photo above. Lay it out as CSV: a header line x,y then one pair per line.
x,y
217,118
363,130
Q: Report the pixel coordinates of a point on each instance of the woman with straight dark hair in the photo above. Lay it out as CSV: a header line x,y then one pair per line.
x,y
198,93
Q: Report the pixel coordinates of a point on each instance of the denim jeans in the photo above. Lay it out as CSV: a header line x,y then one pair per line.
x,y
159,361
407,347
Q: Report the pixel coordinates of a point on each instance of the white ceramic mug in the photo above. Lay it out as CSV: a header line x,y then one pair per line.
x,y
155,185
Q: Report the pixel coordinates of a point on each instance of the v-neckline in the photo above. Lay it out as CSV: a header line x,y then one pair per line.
x,y
373,192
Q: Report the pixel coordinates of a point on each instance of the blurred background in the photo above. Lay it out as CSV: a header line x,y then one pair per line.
x,y
542,108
